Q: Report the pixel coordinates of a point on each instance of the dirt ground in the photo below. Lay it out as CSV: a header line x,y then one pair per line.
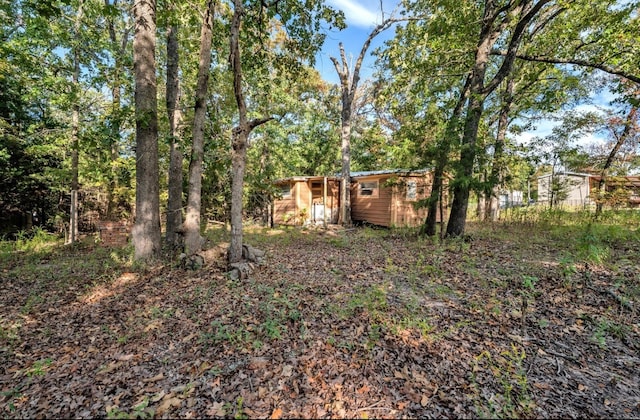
x,y
360,323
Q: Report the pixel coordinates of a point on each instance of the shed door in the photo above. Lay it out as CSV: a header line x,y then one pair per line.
x,y
318,212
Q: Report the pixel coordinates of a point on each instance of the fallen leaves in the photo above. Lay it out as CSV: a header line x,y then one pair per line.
x,y
319,332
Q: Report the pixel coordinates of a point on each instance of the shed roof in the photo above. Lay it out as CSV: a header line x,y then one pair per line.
x,y
305,178
566,173
388,172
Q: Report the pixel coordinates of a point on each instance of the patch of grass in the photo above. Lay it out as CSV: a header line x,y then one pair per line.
x,y
139,411
34,299
604,328
515,400
39,368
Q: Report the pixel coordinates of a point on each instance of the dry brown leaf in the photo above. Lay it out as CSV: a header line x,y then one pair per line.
x,y
157,397
167,403
216,409
125,357
287,370
277,413
156,378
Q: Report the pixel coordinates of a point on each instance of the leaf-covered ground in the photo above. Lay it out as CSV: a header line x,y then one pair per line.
x,y
514,321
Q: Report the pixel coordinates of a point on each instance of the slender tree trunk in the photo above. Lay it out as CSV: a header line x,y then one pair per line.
x,y
345,182
146,231
494,23
174,202
238,163
602,184
240,136
193,240
442,160
75,128
75,146
349,86
497,167
115,122
458,216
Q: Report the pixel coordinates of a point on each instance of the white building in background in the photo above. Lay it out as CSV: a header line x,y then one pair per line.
x,y
569,189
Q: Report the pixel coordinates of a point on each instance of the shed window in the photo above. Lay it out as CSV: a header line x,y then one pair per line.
x,y
412,190
369,189
285,190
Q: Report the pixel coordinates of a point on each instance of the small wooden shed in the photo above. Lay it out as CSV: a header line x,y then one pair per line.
x,y
387,197
307,199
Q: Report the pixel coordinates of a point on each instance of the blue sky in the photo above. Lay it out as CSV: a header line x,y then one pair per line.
x,y
363,15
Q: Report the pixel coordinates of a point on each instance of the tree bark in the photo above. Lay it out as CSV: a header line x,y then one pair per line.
x,y
492,29
174,202
497,167
240,136
442,159
622,138
146,231
349,86
193,239
75,128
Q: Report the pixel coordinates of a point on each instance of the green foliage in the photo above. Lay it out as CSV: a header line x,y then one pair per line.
x,y
515,401
39,367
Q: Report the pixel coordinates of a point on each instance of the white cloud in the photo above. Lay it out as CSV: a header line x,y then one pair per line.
x,y
357,14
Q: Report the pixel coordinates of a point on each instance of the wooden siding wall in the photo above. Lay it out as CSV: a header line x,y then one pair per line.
x,y
288,209
372,209
285,209
405,213
390,207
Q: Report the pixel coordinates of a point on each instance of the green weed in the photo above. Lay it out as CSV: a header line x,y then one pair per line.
x,y
39,368
508,369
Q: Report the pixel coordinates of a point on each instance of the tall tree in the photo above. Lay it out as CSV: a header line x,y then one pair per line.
x,y
174,114
240,135
192,236
75,123
349,86
300,22
146,234
498,22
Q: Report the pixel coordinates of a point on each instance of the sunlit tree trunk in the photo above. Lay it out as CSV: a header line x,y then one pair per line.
x,y
75,128
349,86
146,234
174,202
240,136
629,125
193,239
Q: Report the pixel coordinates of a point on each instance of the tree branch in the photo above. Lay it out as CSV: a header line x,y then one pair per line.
x,y
583,63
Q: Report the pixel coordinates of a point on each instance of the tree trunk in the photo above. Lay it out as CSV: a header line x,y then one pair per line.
x,y
349,86
240,136
174,202
602,184
345,182
458,216
115,122
193,240
497,167
494,23
146,234
441,162
75,128
238,162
